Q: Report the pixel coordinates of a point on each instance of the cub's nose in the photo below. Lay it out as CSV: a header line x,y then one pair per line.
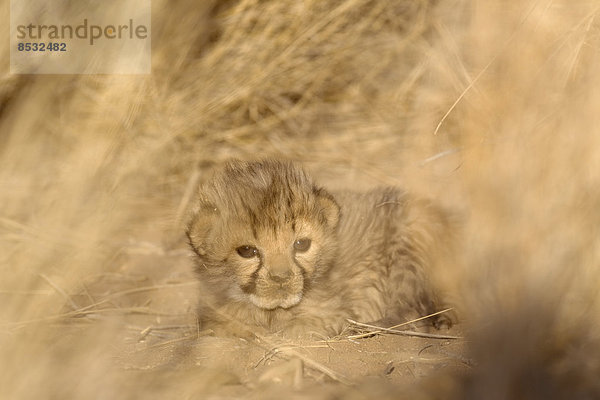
x,y
280,275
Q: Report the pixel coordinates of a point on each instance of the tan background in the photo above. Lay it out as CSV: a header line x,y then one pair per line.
x,y
489,107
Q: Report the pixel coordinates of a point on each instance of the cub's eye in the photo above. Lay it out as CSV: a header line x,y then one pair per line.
x,y
247,251
302,244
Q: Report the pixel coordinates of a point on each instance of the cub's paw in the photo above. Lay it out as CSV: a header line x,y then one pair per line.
x,y
236,329
445,320
310,331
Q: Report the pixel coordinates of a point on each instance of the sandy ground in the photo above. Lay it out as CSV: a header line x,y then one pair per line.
x,y
152,298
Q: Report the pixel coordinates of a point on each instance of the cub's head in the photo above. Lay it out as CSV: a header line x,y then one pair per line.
x,y
262,233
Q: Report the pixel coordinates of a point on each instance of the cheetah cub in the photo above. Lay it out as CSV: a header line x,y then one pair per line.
x,y
276,253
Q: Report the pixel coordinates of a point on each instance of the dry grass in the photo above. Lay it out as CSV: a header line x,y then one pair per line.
x,y
490,107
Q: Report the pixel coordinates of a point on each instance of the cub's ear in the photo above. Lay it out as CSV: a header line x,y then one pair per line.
x,y
200,223
329,209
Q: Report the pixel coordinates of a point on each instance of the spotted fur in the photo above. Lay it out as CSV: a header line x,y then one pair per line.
x,y
369,258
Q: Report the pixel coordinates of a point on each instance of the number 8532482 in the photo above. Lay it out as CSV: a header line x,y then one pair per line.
x,y
42,46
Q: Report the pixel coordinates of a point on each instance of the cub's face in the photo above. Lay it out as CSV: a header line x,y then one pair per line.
x,y
270,267
262,234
